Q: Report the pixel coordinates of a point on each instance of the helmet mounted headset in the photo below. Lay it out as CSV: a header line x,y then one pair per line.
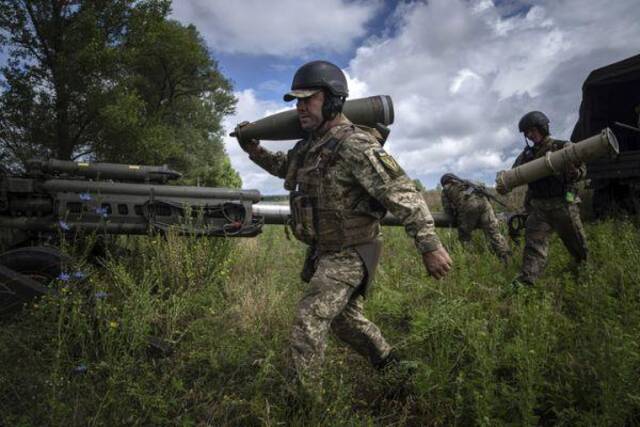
x,y
448,177
321,75
534,119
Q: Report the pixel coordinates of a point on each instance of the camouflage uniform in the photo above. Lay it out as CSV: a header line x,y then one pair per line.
x,y
341,185
472,210
552,205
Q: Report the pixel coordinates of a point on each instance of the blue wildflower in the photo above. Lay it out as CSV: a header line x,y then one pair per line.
x,y
79,275
103,212
101,295
80,369
64,277
85,197
63,225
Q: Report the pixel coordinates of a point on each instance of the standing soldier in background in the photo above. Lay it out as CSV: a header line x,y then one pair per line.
x,y
471,209
341,184
551,202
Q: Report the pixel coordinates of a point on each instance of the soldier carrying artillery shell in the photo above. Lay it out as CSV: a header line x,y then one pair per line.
x,y
551,202
341,183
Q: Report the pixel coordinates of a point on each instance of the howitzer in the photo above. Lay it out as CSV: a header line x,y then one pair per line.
x,y
54,198
57,198
281,213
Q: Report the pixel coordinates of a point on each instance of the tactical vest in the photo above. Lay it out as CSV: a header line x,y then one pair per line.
x,y
316,216
551,186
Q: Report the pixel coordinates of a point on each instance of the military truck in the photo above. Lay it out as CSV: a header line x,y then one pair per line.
x,y
611,98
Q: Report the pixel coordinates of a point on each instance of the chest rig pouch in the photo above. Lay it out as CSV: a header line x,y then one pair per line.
x,y
309,167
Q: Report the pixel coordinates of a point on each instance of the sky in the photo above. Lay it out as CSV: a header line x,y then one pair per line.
x,y
461,73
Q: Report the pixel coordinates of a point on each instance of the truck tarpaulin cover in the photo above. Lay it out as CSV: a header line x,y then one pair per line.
x,y
611,94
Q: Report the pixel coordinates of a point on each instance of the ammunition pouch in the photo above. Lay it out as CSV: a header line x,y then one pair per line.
x,y
302,219
329,229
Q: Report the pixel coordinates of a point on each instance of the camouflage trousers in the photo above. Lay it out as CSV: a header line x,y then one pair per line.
x,y
545,217
478,213
332,301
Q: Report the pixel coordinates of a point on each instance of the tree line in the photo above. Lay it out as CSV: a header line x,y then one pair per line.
x,y
111,80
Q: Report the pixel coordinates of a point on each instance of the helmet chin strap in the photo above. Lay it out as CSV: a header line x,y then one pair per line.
x,y
526,142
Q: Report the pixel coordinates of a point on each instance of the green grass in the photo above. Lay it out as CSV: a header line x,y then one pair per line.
x,y
565,353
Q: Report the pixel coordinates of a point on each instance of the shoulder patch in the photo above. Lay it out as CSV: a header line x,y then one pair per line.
x,y
391,166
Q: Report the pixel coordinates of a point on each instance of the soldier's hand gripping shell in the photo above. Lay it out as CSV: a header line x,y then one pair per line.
x,y
438,262
572,172
249,146
501,189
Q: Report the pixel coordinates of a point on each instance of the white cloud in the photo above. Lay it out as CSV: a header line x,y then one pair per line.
x,y
278,27
461,75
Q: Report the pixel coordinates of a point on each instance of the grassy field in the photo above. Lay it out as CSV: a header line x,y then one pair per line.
x,y
566,353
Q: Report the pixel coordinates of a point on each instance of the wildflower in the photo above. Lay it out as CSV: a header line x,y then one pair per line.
x,y
102,212
79,275
113,324
80,369
63,225
85,197
101,295
64,277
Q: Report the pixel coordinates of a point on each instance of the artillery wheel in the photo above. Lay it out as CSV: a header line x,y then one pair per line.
x,y
40,263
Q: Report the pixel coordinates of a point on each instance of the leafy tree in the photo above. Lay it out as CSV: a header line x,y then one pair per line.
x,y
111,81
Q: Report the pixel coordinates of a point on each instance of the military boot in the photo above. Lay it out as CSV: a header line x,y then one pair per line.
x,y
516,286
397,375
394,364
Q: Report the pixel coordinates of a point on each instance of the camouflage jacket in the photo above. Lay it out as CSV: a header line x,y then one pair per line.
x,y
361,181
456,195
554,186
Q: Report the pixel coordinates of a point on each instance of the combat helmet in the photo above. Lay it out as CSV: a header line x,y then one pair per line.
x,y
448,177
535,119
320,75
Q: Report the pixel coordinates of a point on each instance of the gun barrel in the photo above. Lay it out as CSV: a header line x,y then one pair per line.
x,y
101,170
64,185
279,214
370,112
555,162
